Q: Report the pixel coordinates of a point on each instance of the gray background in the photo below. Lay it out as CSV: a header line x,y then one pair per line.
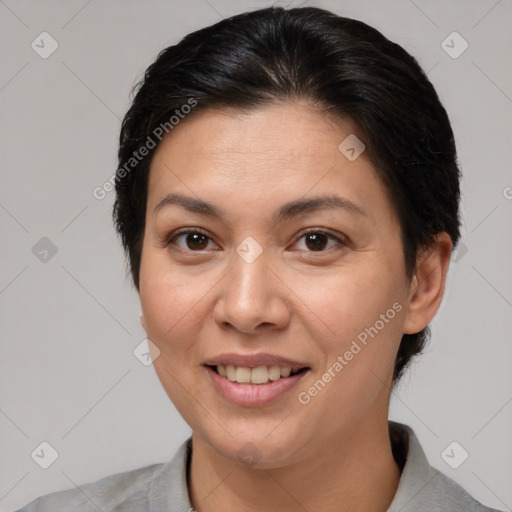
x,y
70,324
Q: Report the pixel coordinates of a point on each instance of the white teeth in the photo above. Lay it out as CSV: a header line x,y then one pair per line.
x,y
230,373
243,375
274,373
259,375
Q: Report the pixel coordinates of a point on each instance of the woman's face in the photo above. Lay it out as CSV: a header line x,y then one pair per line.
x,y
289,249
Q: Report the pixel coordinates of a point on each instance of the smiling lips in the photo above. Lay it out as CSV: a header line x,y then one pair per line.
x,y
253,361
258,375
254,380
254,369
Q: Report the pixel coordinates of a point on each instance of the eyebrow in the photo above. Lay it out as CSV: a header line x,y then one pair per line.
x,y
285,212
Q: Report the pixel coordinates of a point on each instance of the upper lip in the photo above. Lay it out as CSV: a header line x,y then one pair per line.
x,y
254,360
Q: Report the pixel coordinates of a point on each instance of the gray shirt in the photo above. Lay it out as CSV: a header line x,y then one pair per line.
x,y
163,487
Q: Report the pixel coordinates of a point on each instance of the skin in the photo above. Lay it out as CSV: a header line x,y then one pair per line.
x,y
332,454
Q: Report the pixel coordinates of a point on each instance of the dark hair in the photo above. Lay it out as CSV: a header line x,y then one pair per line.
x,y
340,65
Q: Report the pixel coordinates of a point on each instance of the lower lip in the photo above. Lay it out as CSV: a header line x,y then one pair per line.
x,y
253,395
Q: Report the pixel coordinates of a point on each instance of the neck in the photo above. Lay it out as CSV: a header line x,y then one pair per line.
x,y
349,471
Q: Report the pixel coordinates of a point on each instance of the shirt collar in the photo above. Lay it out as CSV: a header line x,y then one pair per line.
x,y
169,489
417,472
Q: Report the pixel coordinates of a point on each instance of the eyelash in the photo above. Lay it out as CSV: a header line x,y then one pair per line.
x,y
186,231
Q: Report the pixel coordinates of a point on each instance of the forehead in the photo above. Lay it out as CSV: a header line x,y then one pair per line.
x,y
282,151
284,136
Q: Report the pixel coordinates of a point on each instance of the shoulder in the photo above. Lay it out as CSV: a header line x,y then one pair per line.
x,y
422,487
156,487
446,494
128,489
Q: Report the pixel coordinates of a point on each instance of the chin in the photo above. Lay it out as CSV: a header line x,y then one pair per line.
x,y
257,450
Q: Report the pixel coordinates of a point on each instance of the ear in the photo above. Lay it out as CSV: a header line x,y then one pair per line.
x,y
142,322
428,283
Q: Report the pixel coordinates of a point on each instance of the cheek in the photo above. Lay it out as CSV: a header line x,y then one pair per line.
x,y
167,298
167,294
176,304
171,304
363,308
350,300
364,313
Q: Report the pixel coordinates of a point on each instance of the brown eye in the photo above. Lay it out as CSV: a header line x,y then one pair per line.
x,y
316,241
191,240
196,241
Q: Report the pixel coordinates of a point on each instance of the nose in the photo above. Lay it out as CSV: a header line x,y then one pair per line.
x,y
252,298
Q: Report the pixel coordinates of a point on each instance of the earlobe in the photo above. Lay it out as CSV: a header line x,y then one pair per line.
x,y
428,284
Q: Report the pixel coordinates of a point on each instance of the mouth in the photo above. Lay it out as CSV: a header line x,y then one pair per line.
x,y
254,387
259,376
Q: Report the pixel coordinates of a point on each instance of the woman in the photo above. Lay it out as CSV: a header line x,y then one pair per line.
x,y
288,198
